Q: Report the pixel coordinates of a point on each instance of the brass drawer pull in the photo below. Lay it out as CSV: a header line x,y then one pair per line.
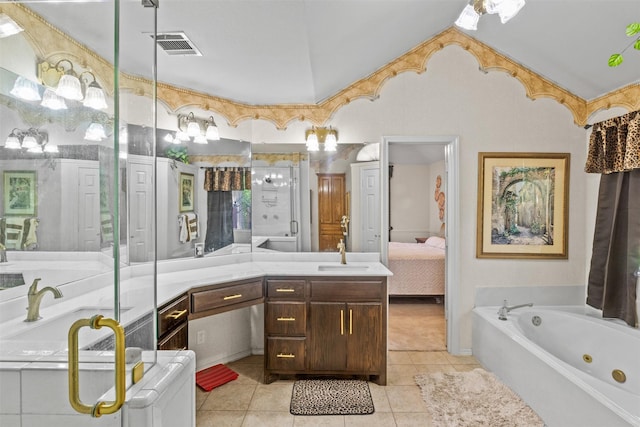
x,y
286,319
285,290
341,322
286,356
232,297
350,322
176,314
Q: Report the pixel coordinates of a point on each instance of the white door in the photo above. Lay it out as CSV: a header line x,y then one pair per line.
x,y
140,188
88,209
370,209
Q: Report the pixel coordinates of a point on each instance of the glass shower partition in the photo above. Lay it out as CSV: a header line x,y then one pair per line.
x,y
76,221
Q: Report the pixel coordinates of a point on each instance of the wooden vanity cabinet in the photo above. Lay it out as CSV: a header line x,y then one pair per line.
x,y
222,297
344,332
173,325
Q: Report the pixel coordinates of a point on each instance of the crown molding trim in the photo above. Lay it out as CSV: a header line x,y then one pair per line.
x,y
50,43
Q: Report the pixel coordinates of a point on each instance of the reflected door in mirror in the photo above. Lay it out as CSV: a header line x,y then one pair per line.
x,y
331,208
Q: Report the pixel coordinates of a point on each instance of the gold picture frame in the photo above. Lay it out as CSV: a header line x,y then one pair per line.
x,y
523,205
186,193
20,193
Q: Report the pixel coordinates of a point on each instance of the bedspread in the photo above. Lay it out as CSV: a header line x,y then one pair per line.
x,y
418,269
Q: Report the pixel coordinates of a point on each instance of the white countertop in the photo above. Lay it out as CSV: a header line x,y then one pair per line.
x,y
175,277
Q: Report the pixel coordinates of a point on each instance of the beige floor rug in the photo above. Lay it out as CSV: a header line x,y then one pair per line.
x,y
473,399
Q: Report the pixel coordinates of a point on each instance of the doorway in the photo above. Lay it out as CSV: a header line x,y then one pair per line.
x,y
448,147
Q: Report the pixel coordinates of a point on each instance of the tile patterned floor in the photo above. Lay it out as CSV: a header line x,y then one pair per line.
x,y
247,402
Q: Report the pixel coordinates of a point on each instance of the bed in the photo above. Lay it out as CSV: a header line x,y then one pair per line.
x,y
418,268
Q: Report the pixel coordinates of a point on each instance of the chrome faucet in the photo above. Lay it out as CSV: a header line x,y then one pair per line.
x,y
504,310
3,253
35,297
343,252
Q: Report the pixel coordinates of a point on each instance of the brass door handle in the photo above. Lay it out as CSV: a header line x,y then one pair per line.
x,y
232,297
100,408
176,314
286,319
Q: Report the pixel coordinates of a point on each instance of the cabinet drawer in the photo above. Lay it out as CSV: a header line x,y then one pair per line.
x,y
173,314
176,340
286,318
216,298
286,354
355,290
286,289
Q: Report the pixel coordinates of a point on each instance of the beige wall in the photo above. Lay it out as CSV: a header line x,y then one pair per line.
x,y
488,112
410,202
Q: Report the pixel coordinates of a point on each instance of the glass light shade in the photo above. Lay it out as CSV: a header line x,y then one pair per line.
x,y
51,148
212,133
29,142
53,101
69,87
37,149
182,136
8,26
95,132
168,137
200,139
330,142
94,98
25,89
509,8
312,142
12,142
468,18
193,129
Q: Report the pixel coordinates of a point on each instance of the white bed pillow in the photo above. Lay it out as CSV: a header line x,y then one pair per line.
x,y
436,242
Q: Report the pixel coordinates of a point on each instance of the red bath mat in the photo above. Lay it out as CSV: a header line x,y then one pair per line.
x,y
215,376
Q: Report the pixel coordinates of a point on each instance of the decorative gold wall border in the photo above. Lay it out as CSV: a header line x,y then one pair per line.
x,y
49,43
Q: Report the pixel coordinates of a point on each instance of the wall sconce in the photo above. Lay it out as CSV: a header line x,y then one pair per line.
x,y
321,135
190,126
470,15
67,84
33,140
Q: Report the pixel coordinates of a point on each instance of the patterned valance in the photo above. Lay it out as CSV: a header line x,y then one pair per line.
x,y
227,179
614,145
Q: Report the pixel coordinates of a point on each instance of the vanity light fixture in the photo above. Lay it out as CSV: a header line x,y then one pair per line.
x,y
200,130
193,127
53,101
94,95
95,132
66,83
212,133
470,15
33,140
315,136
8,26
26,89
69,84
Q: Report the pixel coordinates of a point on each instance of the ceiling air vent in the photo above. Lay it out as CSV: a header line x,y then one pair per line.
x,y
176,43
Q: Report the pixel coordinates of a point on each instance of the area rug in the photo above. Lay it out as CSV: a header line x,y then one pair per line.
x,y
331,397
472,399
215,376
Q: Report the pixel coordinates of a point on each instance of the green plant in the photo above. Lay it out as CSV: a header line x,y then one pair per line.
x,y
632,29
178,153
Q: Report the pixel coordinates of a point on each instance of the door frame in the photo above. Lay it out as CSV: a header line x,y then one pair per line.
x,y
452,230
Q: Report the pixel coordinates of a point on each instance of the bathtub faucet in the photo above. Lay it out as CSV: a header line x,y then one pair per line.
x,y
502,313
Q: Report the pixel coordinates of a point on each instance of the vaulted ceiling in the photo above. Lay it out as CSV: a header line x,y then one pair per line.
x,y
266,52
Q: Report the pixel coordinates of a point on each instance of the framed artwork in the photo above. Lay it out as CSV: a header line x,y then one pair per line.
x,y
523,205
20,193
186,192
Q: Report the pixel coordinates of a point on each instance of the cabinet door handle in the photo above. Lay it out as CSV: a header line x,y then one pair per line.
x,y
286,319
232,297
341,322
176,314
286,356
350,322
285,290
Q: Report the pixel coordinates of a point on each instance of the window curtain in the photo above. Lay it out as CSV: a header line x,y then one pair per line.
x,y
219,182
614,152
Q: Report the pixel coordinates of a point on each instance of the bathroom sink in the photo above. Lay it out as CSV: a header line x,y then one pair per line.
x,y
56,329
342,267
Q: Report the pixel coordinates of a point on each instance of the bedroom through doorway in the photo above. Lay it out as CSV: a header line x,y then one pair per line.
x,y
416,249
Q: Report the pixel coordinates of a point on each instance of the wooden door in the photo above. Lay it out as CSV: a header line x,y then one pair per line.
x,y
364,343
331,208
327,337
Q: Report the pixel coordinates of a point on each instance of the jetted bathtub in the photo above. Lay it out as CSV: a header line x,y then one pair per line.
x,y
572,368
